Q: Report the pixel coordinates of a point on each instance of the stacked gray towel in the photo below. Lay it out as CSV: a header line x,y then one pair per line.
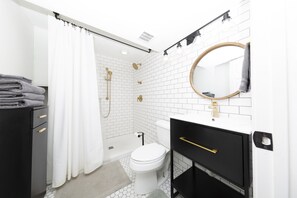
x,y
245,85
18,92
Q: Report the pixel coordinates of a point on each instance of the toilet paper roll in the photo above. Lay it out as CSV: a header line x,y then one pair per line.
x,y
137,134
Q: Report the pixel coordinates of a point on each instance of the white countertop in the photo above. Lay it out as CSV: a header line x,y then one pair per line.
x,y
236,125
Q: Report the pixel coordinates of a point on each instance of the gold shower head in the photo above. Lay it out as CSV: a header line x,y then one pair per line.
x,y
136,66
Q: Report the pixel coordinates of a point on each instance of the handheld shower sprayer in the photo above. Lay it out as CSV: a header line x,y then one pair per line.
x,y
108,89
108,74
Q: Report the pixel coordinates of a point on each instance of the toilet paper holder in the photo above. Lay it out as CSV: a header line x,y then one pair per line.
x,y
140,134
263,140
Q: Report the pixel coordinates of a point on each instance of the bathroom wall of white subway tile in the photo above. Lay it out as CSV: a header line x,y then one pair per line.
x,y
166,89
120,120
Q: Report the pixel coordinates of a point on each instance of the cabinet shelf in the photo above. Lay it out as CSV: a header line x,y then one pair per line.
x,y
195,183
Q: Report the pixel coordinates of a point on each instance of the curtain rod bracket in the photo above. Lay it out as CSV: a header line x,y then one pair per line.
x,y
56,15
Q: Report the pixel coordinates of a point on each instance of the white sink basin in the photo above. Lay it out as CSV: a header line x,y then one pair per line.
x,y
236,125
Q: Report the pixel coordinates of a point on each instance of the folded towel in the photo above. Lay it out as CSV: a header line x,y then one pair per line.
x,y
20,104
9,94
17,97
19,86
15,78
245,84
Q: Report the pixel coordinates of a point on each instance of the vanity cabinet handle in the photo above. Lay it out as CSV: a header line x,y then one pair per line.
x,y
214,151
42,130
43,116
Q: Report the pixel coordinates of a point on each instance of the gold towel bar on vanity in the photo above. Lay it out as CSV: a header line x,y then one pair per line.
x,y
214,151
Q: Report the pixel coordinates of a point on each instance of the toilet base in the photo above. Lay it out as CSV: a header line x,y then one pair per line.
x,y
146,182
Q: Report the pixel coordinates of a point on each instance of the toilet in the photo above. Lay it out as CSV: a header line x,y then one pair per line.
x,y
151,161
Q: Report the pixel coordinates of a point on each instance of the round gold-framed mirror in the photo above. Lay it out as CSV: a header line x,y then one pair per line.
x,y
216,73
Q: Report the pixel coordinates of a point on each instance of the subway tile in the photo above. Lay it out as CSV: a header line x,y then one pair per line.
x,y
204,101
198,107
240,117
229,109
245,110
240,101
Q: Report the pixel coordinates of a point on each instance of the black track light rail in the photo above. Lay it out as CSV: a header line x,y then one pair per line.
x,y
57,17
197,30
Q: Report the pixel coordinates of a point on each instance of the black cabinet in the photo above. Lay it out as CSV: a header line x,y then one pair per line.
x,y
224,152
23,152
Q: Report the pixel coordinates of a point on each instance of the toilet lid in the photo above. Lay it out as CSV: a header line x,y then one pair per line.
x,y
149,152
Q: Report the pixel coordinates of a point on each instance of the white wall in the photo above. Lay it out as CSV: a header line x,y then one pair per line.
x,y
120,120
292,82
274,60
166,88
16,38
40,76
275,172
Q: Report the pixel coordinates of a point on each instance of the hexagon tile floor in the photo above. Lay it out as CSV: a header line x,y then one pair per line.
x,y
127,191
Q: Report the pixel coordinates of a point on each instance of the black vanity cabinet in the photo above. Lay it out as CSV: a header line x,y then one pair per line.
x,y
23,152
223,152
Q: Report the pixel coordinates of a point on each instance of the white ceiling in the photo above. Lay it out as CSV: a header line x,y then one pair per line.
x,y
167,20
114,49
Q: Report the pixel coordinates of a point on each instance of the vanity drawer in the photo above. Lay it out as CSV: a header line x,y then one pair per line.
x,y
218,150
39,160
39,116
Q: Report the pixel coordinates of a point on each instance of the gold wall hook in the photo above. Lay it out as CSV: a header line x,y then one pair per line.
x,y
139,98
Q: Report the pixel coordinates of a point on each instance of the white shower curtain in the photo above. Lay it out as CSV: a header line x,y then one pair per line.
x,y
75,139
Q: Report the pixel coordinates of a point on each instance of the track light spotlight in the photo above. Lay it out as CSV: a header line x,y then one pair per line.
x,y
179,48
165,55
179,45
192,37
226,17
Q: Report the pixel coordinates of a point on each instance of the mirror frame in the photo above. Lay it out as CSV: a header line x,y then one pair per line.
x,y
235,44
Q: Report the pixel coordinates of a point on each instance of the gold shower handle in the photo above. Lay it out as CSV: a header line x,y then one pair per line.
x,y
139,98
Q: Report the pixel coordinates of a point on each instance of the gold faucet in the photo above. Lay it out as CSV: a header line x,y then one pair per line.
x,y
215,109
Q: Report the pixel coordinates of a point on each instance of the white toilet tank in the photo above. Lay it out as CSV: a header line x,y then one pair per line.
x,y
163,133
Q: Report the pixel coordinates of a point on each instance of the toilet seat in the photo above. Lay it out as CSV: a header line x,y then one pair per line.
x,y
149,153
147,158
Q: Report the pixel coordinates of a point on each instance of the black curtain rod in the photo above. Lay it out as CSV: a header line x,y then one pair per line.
x,y
57,17
198,29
